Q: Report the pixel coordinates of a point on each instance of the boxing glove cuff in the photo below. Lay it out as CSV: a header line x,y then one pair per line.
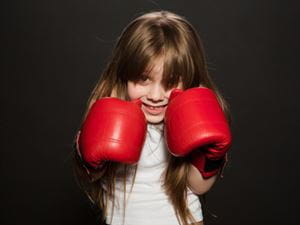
x,y
208,167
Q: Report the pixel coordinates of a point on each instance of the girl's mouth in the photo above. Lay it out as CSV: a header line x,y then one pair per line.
x,y
154,110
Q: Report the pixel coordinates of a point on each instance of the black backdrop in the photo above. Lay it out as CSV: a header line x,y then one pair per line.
x,y
51,55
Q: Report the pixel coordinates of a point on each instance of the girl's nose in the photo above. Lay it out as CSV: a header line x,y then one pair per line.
x,y
156,93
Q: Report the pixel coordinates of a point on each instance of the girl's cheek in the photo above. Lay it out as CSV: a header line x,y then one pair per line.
x,y
136,91
141,91
169,92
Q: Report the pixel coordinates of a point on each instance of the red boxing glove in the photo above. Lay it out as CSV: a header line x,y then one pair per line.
x,y
114,130
196,127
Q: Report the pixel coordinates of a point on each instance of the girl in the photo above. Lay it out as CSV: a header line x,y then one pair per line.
x,y
156,52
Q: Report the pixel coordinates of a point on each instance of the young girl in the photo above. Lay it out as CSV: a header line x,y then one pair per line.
x,y
156,53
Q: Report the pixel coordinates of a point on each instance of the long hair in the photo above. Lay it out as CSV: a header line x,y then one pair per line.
x,y
151,35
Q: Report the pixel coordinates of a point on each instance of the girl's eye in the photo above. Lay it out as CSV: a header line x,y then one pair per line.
x,y
143,80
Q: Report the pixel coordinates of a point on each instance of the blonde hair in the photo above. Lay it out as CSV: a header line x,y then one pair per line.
x,y
154,34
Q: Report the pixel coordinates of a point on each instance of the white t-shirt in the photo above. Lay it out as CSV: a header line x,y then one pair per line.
x,y
148,203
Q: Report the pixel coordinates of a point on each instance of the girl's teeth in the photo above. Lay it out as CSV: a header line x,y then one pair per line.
x,y
155,107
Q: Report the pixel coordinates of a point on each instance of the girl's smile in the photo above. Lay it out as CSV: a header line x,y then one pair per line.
x,y
154,110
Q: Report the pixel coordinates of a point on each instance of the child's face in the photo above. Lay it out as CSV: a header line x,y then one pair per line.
x,y
153,95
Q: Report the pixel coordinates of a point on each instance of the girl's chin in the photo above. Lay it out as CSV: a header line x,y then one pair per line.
x,y
154,119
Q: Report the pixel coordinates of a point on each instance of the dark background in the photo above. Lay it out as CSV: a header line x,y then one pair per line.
x,y
52,53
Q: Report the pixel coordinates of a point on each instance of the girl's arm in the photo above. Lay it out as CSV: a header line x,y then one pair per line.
x,y
197,183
